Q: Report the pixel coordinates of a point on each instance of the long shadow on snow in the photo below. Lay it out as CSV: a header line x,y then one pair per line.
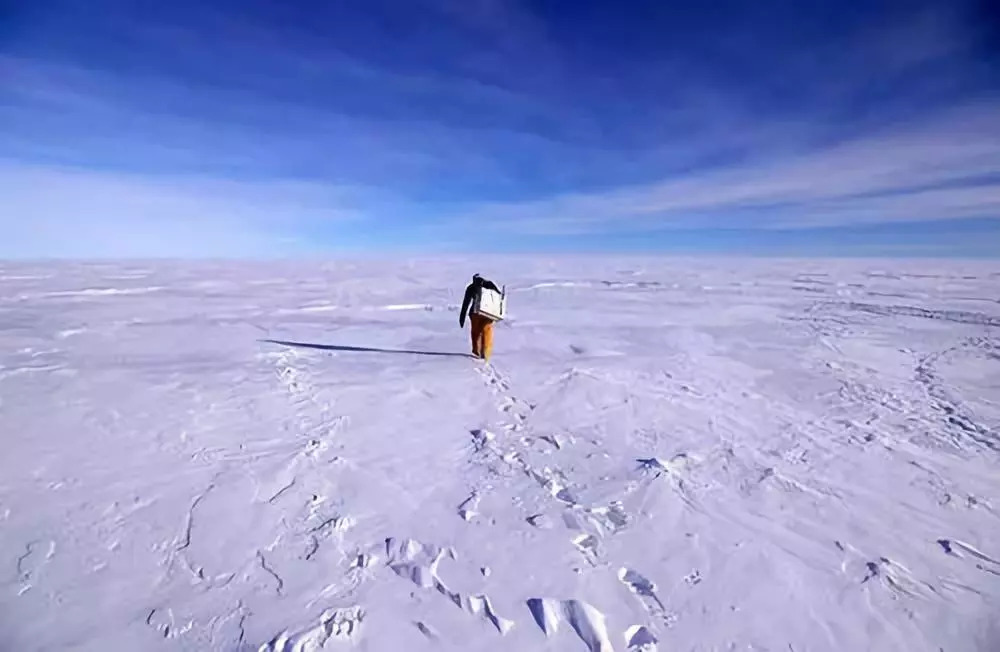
x,y
365,349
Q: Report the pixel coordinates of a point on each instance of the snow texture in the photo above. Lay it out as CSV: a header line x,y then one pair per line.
x,y
662,455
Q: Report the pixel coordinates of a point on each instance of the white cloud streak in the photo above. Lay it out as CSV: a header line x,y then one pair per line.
x,y
901,174
64,212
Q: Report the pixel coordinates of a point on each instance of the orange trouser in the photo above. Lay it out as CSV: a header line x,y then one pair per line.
x,y
482,336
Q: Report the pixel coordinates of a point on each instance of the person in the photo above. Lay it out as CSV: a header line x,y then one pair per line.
x,y
482,327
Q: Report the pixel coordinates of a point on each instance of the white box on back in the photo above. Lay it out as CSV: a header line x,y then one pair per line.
x,y
491,304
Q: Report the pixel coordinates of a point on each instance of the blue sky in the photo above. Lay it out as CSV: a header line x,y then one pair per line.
x,y
255,128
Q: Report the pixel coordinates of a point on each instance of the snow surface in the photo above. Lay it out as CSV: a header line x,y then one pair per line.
x,y
672,455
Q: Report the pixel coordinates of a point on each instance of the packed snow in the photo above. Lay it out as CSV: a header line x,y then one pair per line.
x,y
662,455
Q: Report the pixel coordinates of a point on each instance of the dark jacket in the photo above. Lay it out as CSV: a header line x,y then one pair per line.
x,y
470,294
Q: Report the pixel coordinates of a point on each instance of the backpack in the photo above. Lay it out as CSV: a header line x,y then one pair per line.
x,y
490,304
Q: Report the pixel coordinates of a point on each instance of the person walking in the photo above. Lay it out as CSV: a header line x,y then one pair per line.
x,y
482,326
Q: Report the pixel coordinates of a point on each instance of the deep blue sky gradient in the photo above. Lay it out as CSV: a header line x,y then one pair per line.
x,y
257,127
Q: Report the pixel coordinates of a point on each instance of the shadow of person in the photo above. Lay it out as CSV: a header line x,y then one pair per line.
x,y
366,349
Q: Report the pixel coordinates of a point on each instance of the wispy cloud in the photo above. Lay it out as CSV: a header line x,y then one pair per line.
x,y
906,173
65,212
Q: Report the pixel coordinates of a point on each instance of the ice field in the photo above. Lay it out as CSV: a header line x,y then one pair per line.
x,y
704,454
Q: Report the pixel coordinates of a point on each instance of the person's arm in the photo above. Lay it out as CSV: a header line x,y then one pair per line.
x,y
465,306
491,285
